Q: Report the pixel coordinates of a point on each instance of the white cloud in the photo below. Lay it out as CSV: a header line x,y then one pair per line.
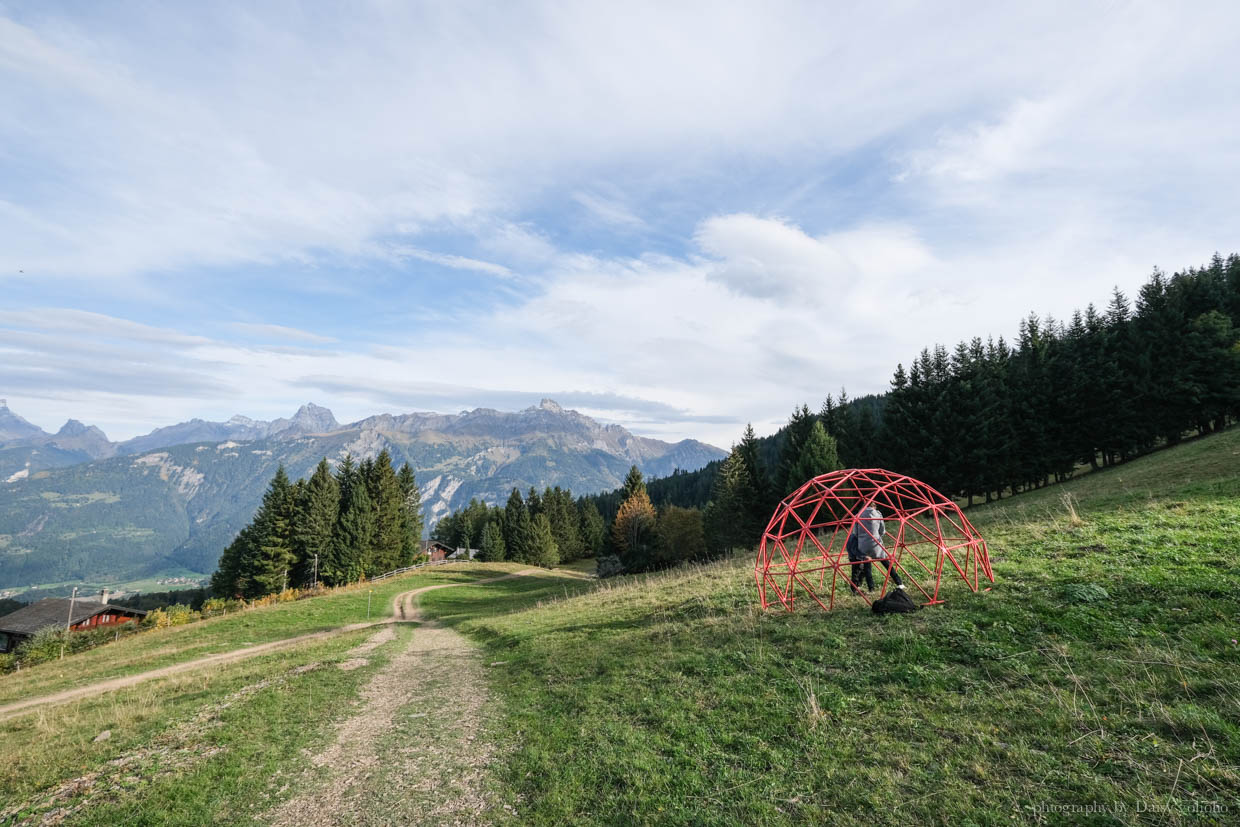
x,y
609,210
695,201
281,332
453,261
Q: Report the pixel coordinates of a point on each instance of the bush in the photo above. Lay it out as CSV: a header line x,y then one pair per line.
x,y
420,559
609,566
219,605
179,614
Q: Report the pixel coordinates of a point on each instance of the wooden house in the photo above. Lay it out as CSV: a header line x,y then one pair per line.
x,y
436,550
58,612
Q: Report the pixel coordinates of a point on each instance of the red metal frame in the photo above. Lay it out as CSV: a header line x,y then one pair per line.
x,y
808,532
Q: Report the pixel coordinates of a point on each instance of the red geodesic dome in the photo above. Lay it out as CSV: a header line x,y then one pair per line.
x,y
927,535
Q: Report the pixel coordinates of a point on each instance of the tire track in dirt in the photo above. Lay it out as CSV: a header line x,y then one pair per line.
x,y
403,610
435,776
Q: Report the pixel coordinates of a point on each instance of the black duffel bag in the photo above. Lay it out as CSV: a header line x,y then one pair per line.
x,y
896,602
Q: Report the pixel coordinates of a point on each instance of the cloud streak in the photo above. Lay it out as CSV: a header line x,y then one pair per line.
x,y
685,214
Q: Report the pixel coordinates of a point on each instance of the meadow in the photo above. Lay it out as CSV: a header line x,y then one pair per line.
x,y
1098,681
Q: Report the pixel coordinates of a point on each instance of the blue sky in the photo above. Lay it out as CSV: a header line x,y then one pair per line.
x,y
680,217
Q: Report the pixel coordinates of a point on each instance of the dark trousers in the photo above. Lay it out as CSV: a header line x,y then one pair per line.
x,y
865,570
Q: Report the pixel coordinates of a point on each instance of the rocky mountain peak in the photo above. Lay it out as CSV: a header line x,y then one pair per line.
x,y
73,427
550,405
13,426
314,417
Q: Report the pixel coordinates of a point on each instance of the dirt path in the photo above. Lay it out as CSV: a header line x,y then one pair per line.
x,y
403,609
412,753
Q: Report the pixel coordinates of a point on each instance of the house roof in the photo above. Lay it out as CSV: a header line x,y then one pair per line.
x,y
54,611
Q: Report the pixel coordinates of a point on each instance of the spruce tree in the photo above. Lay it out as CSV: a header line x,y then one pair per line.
x,y
411,515
492,548
818,455
227,581
757,501
318,509
518,528
267,565
355,529
795,435
633,483
726,518
593,529
389,514
543,549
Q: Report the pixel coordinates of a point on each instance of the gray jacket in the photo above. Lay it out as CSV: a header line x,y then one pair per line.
x,y
870,542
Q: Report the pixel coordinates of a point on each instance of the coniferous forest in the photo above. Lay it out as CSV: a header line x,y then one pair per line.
x,y
983,420
540,529
991,418
334,528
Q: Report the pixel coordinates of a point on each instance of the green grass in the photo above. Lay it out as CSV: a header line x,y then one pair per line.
x,y
1100,672
201,749
162,647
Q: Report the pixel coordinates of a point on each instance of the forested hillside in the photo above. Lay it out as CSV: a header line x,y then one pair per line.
x,y
989,418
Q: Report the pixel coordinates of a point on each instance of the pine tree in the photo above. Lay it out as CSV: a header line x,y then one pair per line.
x,y
412,521
355,528
632,484
492,549
795,434
593,529
518,528
818,455
543,549
565,523
318,509
227,580
725,518
389,513
757,502
844,429
267,566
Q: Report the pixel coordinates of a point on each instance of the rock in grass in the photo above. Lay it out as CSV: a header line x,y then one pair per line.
x,y
103,736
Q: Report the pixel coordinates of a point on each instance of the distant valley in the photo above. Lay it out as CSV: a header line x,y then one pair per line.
x,y
76,507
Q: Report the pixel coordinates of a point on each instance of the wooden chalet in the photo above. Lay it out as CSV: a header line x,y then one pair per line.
x,y
55,611
436,550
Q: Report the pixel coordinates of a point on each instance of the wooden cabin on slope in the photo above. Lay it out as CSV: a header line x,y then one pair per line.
x,y
55,611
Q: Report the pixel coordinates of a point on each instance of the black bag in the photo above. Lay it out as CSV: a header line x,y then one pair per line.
x,y
896,602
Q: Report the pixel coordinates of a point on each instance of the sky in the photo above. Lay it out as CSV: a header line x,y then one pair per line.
x,y
680,217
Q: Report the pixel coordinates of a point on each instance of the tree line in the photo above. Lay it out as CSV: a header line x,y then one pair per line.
x,y
540,529
982,420
362,520
989,419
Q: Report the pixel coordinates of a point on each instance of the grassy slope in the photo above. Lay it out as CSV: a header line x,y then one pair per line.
x,y
671,698
195,749
161,647
222,745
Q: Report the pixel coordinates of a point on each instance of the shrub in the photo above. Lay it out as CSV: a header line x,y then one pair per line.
x,y
609,566
179,614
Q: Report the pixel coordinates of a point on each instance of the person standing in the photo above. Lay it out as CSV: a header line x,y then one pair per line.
x,y
865,543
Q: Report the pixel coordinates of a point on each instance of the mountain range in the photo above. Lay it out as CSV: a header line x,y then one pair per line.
x,y
77,507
